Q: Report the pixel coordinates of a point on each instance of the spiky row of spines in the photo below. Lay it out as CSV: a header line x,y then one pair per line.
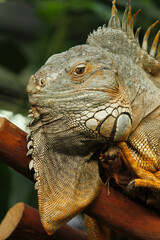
x,y
127,26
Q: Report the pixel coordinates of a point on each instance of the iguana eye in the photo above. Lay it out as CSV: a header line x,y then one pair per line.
x,y
80,69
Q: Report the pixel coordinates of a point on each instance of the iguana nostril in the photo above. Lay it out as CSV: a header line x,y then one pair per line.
x,y
123,126
35,85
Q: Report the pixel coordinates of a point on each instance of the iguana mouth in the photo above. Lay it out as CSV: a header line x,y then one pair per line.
x,y
105,90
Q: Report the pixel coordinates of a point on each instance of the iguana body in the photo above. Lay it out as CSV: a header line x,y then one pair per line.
x,y
105,92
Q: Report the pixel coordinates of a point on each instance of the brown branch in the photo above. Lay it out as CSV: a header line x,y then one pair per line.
x,y
124,216
13,148
23,222
115,210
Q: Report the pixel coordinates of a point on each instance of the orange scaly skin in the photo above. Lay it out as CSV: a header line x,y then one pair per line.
x,y
142,155
97,95
146,177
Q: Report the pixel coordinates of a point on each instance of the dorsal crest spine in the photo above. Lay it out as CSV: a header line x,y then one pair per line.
x,y
123,36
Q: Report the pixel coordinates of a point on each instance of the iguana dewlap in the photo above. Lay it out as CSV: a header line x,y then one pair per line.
x,y
105,92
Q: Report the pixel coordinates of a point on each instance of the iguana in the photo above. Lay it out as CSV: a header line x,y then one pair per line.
x,y
105,93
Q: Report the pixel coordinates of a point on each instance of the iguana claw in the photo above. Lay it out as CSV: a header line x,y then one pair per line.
x,y
130,185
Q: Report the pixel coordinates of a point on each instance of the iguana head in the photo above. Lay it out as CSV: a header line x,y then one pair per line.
x,y
84,85
80,101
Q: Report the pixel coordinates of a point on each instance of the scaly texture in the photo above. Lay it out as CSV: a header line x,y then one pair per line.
x,y
103,93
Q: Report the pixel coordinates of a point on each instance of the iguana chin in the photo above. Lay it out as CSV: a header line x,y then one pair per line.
x,y
105,92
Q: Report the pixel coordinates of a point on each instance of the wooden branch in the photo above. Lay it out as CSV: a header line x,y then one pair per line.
x,y
13,147
124,216
115,210
23,222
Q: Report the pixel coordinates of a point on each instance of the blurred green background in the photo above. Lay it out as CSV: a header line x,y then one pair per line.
x,y
30,32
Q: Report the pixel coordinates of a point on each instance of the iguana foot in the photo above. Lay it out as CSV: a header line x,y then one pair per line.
x,y
112,163
147,183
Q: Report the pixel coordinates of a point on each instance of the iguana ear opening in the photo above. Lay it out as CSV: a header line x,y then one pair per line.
x,y
64,194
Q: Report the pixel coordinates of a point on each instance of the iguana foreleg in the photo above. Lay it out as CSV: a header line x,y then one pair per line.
x,y
147,178
142,154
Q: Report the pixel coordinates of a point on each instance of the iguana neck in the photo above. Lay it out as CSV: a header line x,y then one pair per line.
x,y
143,89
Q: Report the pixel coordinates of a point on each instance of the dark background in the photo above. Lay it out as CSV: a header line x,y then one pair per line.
x,y
30,32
